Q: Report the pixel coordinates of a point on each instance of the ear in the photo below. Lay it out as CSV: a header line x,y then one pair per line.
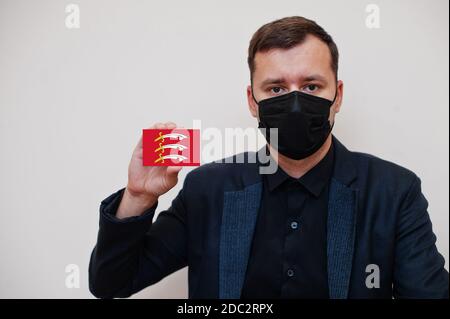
x,y
252,106
339,97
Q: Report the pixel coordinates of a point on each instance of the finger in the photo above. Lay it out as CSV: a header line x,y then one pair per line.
x,y
139,144
170,125
174,170
153,126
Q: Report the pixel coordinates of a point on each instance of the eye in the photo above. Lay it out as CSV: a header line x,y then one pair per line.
x,y
276,90
311,88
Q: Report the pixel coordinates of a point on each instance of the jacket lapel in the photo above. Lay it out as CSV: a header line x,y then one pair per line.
x,y
240,210
341,225
340,238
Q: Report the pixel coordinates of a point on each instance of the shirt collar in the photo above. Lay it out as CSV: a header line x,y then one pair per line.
x,y
314,180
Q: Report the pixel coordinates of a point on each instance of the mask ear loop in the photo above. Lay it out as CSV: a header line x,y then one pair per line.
x,y
324,123
334,100
335,96
267,131
251,87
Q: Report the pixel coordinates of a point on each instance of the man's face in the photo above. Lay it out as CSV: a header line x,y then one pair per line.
x,y
305,67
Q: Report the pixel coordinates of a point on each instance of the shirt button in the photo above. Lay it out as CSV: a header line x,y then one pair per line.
x,y
294,225
290,272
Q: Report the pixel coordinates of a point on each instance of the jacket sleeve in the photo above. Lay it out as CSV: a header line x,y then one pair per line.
x,y
134,253
419,268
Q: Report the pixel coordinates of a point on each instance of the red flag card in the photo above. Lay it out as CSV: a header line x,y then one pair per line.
x,y
171,147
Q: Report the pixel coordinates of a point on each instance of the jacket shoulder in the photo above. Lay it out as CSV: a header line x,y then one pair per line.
x,y
386,172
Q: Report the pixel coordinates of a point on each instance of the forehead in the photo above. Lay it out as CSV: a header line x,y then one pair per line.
x,y
311,56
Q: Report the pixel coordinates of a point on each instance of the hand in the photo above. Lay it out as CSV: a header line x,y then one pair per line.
x,y
146,183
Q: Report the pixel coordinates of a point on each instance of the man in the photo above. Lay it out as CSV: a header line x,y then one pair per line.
x,y
329,223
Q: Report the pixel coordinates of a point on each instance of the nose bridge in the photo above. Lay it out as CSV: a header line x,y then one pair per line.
x,y
296,106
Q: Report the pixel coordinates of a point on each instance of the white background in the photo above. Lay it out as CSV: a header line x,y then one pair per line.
x,y
73,103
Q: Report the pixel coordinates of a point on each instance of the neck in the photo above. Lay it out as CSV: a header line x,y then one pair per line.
x,y
298,168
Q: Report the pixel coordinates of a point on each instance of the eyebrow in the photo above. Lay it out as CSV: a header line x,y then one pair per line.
x,y
272,81
313,77
316,77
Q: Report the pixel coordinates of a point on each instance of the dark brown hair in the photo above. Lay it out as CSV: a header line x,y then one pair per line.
x,y
286,33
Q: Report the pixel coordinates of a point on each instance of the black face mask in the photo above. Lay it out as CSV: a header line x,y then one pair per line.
x,y
301,120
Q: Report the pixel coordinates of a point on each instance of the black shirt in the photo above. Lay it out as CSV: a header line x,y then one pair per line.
x,y
288,258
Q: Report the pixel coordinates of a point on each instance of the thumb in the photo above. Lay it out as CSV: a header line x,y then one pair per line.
x,y
174,170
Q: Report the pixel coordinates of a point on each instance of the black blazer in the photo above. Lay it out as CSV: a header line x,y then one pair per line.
x,y
377,215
